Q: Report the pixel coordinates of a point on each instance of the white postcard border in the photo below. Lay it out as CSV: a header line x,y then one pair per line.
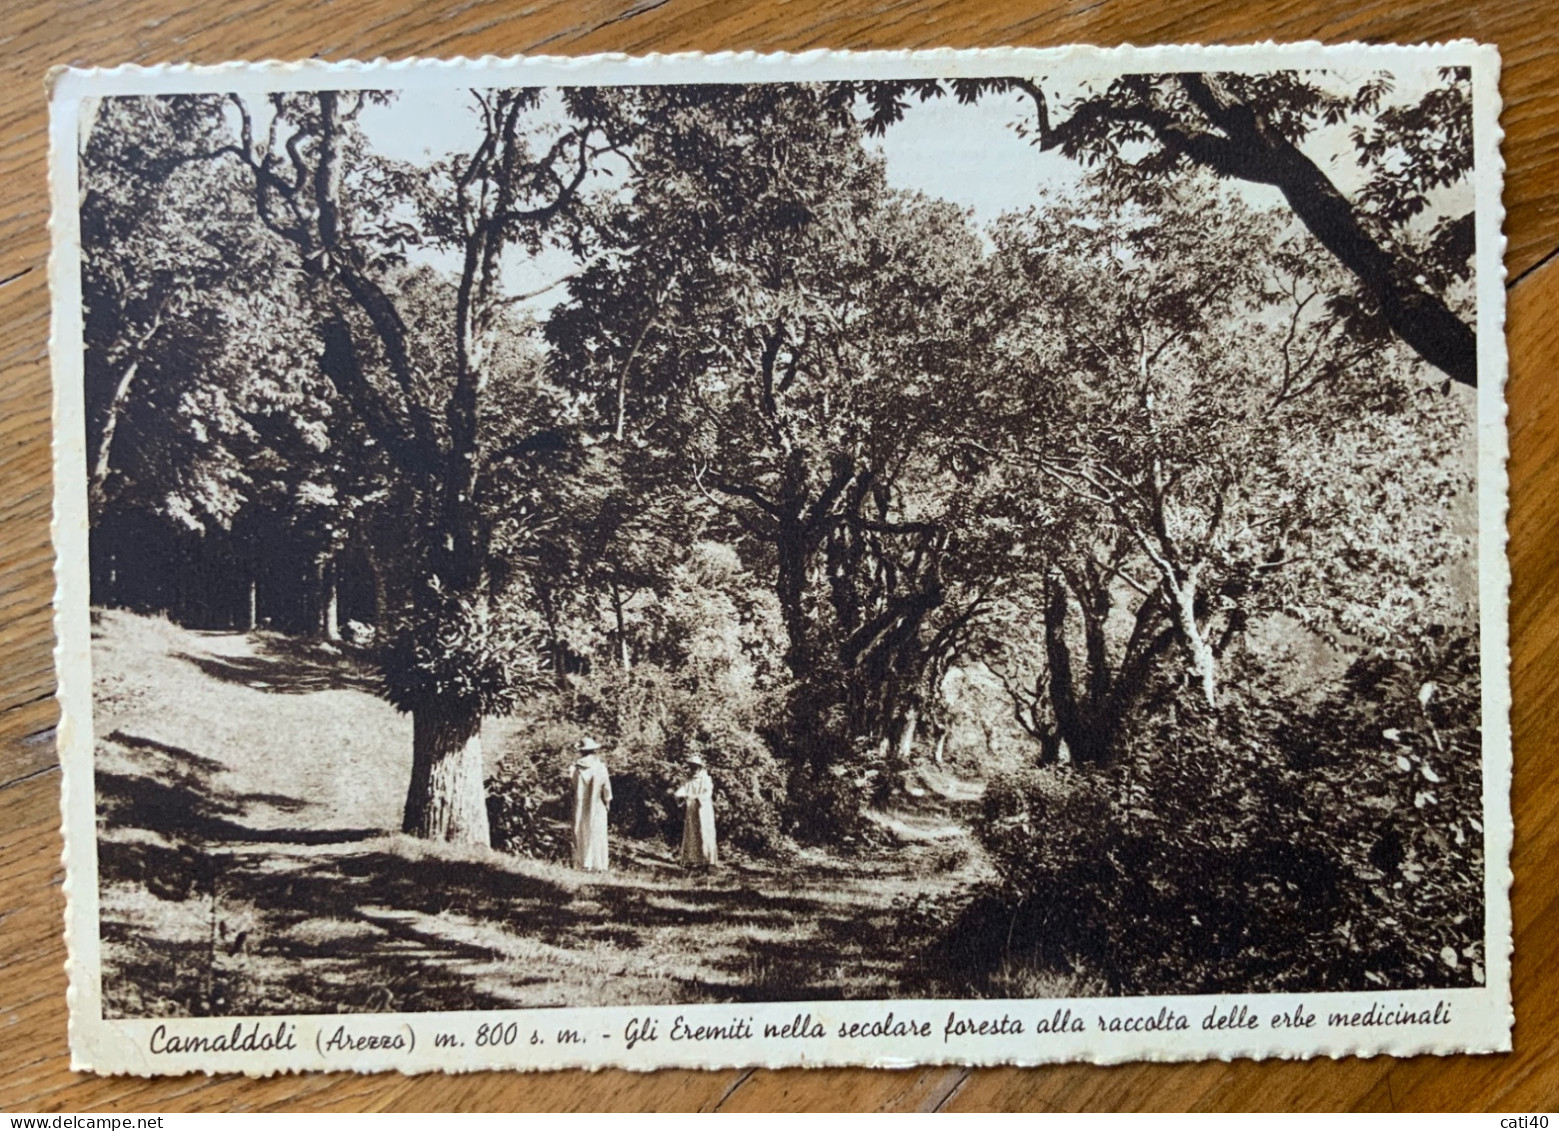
x,y
1464,1020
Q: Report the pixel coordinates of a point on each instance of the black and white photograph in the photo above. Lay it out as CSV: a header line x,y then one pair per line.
x,y
981,537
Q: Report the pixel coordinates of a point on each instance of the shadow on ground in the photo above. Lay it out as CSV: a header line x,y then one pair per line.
x,y
207,911
286,666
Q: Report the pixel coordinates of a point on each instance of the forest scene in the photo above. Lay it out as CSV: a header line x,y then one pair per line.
x,y
1032,521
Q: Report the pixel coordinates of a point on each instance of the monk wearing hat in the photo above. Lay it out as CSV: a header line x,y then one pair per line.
x,y
592,797
697,795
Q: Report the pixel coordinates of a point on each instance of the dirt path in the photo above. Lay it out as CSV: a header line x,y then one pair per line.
x,y
249,866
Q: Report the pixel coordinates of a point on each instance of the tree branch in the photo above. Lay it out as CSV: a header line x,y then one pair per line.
x,y
1256,152
737,490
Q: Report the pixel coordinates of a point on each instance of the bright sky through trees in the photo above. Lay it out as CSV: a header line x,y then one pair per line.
x,y
969,155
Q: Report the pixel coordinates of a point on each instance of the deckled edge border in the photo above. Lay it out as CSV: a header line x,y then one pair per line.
x,y
63,678
73,674
1494,523
947,59
74,736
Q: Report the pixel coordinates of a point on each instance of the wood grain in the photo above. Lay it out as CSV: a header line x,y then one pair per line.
x,y
37,34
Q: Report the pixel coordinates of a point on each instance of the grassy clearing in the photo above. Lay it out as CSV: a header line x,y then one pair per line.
x,y
249,793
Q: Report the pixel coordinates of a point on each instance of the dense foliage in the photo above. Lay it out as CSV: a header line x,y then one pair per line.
x,y
1285,844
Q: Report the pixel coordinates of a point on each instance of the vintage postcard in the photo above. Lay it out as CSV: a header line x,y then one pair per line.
x,y
856,559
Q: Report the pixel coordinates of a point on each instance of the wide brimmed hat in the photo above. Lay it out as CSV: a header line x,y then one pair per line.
x,y
587,744
696,760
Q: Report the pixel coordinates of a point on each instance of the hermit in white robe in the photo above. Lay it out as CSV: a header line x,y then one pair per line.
x,y
697,795
592,797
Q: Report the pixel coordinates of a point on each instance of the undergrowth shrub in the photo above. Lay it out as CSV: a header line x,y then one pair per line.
x,y
1332,844
527,815
657,720
648,724
834,777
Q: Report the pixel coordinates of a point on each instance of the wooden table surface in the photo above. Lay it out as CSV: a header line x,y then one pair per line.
x,y
36,34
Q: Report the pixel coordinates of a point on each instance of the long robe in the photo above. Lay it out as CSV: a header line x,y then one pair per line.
x,y
592,796
698,820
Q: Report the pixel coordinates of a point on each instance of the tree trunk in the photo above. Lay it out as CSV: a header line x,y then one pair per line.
x,y
332,619
1085,727
252,618
1204,664
791,590
381,599
1255,151
326,611
447,799
941,746
1058,657
1420,317
622,382
97,487
906,745
623,657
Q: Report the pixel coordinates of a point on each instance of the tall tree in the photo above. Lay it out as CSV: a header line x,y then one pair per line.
x,y
466,636
714,335
778,330
207,416
1206,417
157,256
